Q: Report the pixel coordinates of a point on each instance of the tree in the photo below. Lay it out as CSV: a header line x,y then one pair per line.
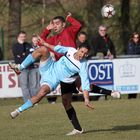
x,y
94,15
94,18
14,21
125,23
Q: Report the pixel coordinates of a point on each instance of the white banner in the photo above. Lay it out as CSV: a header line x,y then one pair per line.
x,y
127,75
118,74
9,85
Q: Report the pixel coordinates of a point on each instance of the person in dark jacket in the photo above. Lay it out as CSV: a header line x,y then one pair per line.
x,y
27,77
103,45
134,44
133,48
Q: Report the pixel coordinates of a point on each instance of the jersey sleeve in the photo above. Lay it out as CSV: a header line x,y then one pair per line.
x,y
45,34
61,49
75,24
84,76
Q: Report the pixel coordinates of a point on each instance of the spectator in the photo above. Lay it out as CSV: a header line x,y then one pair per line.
x,y
35,46
34,42
81,38
134,49
103,45
134,44
27,78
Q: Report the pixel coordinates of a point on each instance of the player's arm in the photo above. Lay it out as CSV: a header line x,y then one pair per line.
x,y
47,31
75,24
85,84
44,43
59,49
86,99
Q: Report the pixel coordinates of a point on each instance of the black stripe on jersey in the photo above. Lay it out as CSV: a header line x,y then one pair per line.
x,y
71,61
76,74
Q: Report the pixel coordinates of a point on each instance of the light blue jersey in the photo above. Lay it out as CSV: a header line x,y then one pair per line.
x,y
53,72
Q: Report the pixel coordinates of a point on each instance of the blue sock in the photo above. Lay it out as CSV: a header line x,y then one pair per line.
x,y
29,60
25,106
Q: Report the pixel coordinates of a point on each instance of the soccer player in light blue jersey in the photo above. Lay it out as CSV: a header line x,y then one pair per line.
x,y
53,72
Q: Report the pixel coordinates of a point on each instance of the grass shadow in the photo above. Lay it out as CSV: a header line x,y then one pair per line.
x,y
117,128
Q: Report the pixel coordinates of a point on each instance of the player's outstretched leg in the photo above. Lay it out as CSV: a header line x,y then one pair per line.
x,y
15,67
116,94
100,90
29,103
25,106
19,67
41,52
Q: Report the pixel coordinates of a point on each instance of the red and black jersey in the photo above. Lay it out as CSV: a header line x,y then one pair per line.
x,y
66,38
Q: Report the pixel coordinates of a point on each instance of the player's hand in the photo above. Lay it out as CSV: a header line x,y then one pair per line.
x,y
87,103
50,26
111,57
40,40
69,14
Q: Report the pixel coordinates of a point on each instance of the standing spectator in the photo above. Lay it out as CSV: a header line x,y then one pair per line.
x,y
134,49
27,77
34,42
103,45
36,65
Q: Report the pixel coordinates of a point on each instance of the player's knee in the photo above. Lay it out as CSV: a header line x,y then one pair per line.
x,y
36,54
66,102
43,50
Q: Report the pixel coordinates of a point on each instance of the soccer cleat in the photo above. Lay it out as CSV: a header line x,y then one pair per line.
x,y
15,67
75,132
14,114
116,94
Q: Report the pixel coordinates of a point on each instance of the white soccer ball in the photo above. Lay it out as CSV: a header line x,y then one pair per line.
x,y
108,11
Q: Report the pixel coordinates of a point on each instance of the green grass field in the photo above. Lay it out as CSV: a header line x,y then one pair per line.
x,y
111,120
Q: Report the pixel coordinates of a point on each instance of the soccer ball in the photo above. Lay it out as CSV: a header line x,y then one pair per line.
x,y
108,11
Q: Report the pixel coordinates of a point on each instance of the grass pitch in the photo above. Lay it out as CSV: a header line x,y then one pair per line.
x,y
111,120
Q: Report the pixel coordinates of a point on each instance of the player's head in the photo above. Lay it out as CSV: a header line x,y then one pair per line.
x,y
21,37
102,30
82,36
83,51
59,24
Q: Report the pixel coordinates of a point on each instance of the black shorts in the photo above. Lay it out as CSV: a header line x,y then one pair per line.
x,y
68,88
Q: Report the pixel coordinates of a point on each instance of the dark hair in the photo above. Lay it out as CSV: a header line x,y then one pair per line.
x,y
60,18
82,33
132,36
21,32
84,45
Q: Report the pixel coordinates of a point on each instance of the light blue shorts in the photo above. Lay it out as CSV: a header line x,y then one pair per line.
x,y
48,76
